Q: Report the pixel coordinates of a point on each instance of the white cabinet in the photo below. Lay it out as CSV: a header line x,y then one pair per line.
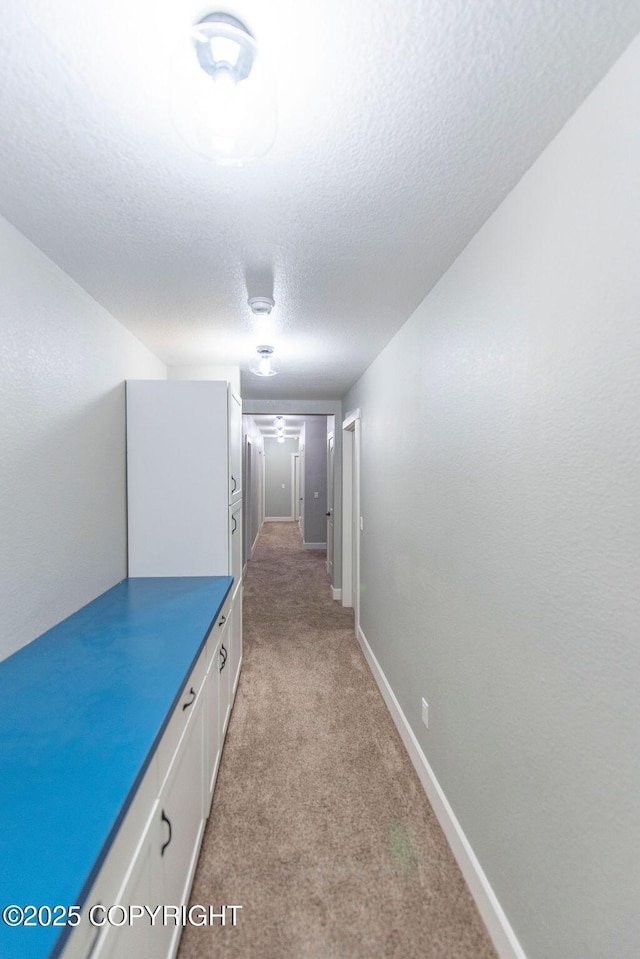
x,y
184,480
184,471
153,858
125,877
218,639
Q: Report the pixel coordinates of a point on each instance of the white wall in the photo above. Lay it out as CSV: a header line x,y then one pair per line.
x,y
63,362
501,546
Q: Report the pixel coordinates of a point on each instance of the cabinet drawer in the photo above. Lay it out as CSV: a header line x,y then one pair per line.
x,y
181,717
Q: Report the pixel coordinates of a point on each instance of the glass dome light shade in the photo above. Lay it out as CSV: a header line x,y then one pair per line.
x,y
222,92
224,45
264,364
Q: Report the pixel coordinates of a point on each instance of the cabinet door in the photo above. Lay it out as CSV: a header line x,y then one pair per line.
x,y
235,543
213,740
224,687
235,654
180,820
177,477
138,938
235,447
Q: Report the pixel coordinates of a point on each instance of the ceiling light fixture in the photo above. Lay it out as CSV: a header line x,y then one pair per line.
x,y
223,101
264,364
279,422
281,439
261,305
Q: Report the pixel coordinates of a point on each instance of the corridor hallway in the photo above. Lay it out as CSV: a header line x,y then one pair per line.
x,y
320,828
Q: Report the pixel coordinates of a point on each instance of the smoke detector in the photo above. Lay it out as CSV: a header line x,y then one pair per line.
x,y
261,305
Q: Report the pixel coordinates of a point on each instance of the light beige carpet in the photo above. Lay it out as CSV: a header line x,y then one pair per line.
x,y
320,828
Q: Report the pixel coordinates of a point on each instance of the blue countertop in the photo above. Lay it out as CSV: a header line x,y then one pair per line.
x,y
82,709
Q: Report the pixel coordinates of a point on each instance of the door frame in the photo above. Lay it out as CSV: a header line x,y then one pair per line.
x,y
351,440
247,545
331,449
295,487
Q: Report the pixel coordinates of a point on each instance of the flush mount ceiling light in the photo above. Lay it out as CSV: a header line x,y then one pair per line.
x,y
223,102
261,305
264,364
279,422
281,439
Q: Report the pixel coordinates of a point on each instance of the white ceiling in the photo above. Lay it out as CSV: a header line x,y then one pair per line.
x,y
401,126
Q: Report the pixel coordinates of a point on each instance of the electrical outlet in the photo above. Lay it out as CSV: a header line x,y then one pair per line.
x,y
425,712
315,495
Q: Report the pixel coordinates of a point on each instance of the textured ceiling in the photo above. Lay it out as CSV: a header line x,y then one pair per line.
x,y
401,126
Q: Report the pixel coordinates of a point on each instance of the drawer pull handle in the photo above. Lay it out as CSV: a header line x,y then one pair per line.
x,y
192,693
235,485
166,819
223,620
235,524
95,938
223,656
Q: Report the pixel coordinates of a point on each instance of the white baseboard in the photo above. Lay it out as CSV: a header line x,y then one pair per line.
x,y
498,926
278,519
336,593
253,547
315,545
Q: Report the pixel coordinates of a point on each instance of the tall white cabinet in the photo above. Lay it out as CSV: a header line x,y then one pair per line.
x,y
184,483
184,476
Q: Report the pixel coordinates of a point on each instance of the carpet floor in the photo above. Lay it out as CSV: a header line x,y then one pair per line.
x,y
320,828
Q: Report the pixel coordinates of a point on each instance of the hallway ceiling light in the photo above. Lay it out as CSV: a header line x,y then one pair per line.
x,y
261,305
222,98
281,439
279,422
264,364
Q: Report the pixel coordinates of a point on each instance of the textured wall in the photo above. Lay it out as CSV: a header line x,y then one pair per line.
x,y
501,543
277,472
63,362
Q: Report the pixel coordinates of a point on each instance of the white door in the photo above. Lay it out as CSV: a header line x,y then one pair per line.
x,y
330,455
